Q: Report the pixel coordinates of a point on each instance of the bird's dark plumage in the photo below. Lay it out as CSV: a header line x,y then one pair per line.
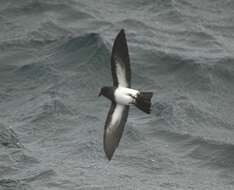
x,y
121,95
108,92
118,114
113,132
120,60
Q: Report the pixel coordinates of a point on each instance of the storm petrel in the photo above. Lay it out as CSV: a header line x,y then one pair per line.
x,y
121,95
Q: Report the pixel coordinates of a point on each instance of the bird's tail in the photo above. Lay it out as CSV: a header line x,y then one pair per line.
x,y
143,101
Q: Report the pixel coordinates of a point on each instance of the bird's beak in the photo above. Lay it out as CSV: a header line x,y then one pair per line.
x,y
100,93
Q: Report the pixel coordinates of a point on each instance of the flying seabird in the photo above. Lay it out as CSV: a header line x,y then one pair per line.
x,y
121,95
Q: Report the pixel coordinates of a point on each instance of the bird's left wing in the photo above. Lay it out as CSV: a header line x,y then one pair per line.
x,y
120,64
114,127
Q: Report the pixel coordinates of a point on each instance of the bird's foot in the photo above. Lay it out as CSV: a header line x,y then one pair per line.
x,y
133,98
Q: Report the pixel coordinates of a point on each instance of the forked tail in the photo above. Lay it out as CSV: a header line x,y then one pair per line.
x,y
143,101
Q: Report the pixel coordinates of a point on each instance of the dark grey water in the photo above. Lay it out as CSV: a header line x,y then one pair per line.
x,y
55,56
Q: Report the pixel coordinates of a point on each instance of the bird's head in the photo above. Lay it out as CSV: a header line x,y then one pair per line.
x,y
107,91
104,90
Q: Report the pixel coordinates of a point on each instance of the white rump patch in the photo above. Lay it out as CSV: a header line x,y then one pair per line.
x,y
124,96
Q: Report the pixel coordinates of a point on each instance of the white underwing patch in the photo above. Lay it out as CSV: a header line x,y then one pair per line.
x,y
116,116
121,73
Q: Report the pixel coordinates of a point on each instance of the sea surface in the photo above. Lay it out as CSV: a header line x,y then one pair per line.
x,y
55,57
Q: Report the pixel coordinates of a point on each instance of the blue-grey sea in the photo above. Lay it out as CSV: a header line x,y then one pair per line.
x,y
55,57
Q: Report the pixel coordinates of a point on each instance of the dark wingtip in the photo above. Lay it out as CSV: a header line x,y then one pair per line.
x,y
109,155
122,31
109,146
121,34
120,46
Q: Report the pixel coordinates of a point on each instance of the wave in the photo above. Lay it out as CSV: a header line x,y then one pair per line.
x,y
208,152
44,38
75,53
82,49
149,5
38,7
13,184
35,71
84,56
39,176
16,184
50,109
8,137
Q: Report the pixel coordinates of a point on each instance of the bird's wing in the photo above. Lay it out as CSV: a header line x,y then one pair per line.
x,y
120,65
114,127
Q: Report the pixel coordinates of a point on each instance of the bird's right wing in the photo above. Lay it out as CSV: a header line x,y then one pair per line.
x,y
120,64
114,126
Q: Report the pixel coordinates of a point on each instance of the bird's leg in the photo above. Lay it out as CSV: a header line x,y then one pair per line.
x,y
133,99
132,96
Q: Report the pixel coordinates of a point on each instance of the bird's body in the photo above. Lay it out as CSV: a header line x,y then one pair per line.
x,y
125,96
121,95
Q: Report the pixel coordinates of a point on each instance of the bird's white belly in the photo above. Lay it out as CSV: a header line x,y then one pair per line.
x,y
124,96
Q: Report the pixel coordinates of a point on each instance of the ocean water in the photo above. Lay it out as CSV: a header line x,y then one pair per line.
x,y
55,57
